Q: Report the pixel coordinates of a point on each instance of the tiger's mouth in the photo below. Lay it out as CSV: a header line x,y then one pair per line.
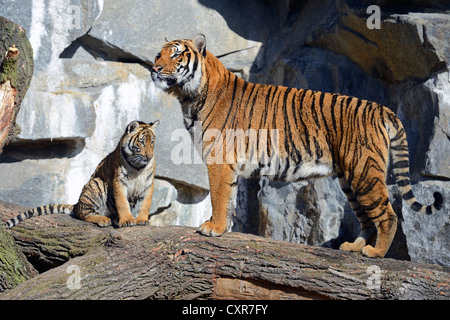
x,y
164,82
138,161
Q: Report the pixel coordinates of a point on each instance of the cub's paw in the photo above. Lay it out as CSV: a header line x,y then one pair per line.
x,y
104,222
212,230
128,222
141,221
99,220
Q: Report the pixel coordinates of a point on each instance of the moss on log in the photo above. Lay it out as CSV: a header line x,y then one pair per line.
x,y
178,263
14,267
16,71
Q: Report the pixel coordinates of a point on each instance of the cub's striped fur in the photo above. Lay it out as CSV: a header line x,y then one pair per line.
x,y
320,134
121,182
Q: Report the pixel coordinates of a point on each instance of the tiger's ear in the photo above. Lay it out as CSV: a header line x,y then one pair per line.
x,y
132,126
200,43
154,124
165,39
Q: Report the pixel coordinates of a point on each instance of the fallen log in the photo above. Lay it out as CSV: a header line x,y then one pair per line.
x,y
14,267
177,263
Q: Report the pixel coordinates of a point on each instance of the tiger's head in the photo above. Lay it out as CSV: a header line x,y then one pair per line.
x,y
137,143
179,63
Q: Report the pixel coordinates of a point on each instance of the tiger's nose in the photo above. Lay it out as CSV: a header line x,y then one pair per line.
x,y
157,68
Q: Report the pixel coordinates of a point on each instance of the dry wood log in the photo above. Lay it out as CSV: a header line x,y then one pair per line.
x,y
16,70
178,263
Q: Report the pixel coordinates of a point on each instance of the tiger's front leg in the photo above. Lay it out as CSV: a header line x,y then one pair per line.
x,y
221,183
126,219
144,210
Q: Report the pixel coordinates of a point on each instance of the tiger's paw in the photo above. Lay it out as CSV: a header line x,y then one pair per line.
x,y
372,252
127,222
104,222
355,246
99,220
211,230
141,221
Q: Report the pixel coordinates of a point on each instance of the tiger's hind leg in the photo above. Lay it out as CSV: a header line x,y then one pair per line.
x,y
373,197
385,221
367,227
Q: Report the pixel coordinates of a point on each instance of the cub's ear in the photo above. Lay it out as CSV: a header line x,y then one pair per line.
x,y
200,43
132,126
154,124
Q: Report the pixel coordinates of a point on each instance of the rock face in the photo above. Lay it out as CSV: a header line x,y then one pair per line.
x,y
91,78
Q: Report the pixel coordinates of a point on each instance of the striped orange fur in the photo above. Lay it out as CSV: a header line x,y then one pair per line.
x,y
121,182
319,134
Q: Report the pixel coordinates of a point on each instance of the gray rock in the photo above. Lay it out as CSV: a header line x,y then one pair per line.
x,y
139,28
163,196
428,236
294,212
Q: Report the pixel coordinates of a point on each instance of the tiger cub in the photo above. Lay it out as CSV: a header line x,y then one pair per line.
x,y
319,134
121,182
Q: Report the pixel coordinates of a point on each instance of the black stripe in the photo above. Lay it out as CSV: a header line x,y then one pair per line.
x,y
347,190
314,111
401,164
400,148
378,216
305,132
403,183
238,105
409,195
372,206
266,106
327,129
416,206
231,104
398,136
401,174
288,142
319,152
333,115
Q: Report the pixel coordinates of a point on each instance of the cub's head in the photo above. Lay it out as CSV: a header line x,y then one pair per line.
x,y
137,143
179,63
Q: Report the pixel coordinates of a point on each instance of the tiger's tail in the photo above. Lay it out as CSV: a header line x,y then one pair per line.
x,y
400,165
39,211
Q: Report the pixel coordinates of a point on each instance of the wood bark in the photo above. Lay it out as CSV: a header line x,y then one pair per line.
x,y
14,266
16,70
88,262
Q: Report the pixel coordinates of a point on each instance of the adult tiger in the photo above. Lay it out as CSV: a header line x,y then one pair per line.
x,y
122,182
320,134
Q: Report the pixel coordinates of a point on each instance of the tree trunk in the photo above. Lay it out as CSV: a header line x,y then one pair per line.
x,y
178,263
16,70
14,266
